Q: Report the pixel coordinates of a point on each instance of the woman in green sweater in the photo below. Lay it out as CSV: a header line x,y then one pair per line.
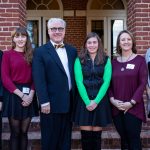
x,y
92,74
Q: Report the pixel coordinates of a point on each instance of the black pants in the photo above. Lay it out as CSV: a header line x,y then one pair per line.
x,y
129,129
0,130
56,131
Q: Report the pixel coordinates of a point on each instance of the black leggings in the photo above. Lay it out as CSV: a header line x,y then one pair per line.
x,y
19,137
129,129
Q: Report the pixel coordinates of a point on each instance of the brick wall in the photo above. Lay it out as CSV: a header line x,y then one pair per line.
x,y
12,14
74,4
76,26
22,12
139,23
76,30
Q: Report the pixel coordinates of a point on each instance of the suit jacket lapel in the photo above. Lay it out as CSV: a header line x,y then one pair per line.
x,y
55,56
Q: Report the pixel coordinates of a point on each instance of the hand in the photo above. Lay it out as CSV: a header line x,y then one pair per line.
x,y
126,106
91,106
117,103
26,100
45,109
1,104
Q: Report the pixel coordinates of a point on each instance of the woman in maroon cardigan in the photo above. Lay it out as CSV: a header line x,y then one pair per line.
x,y
19,104
129,78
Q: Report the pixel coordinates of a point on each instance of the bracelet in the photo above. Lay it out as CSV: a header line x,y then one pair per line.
x,y
132,103
22,96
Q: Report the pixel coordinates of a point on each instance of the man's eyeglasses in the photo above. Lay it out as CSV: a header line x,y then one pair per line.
x,y
60,29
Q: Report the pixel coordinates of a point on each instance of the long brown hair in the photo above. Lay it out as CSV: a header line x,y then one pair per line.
x,y
118,48
28,50
100,52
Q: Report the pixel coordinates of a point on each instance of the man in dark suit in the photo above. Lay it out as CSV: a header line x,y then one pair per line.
x,y
54,82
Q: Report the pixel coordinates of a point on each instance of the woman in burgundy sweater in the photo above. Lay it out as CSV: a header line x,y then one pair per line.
x,y
129,78
19,104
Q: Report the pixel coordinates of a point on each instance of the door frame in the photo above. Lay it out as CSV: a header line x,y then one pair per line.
x,y
89,27
106,16
39,27
109,29
42,16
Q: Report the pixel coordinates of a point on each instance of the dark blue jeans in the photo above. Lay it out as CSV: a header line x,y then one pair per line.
x,y
129,129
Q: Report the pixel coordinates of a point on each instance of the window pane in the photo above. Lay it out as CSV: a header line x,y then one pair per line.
x,y
116,27
98,27
33,31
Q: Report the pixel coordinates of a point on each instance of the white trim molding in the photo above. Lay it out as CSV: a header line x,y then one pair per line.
x,y
81,13
69,13
44,13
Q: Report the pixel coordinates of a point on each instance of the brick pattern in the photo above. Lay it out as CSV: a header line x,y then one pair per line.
x,y
110,138
22,12
74,4
138,23
76,31
12,14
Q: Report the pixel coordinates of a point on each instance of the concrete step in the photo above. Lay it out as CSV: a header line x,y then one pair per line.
x,y
35,125
114,149
110,138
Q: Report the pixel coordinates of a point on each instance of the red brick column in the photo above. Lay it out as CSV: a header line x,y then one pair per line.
x,y
76,25
138,22
76,31
74,4
12,14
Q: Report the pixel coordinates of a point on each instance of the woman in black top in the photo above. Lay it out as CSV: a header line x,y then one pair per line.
x,y
92,74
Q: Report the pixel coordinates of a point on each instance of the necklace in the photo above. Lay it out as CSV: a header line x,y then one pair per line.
x,y
122,67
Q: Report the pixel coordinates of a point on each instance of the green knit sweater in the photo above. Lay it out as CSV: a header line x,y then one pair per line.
x,y
81,88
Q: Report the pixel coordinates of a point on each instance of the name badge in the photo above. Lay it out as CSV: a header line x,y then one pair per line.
x,y
130,66
26,90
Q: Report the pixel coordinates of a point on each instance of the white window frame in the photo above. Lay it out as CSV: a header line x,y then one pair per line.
x,y
106,16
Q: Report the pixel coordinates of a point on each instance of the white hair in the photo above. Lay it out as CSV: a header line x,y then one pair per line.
x,y
56,20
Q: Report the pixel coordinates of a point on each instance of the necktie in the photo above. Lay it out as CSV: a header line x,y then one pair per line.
x,y
59,46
